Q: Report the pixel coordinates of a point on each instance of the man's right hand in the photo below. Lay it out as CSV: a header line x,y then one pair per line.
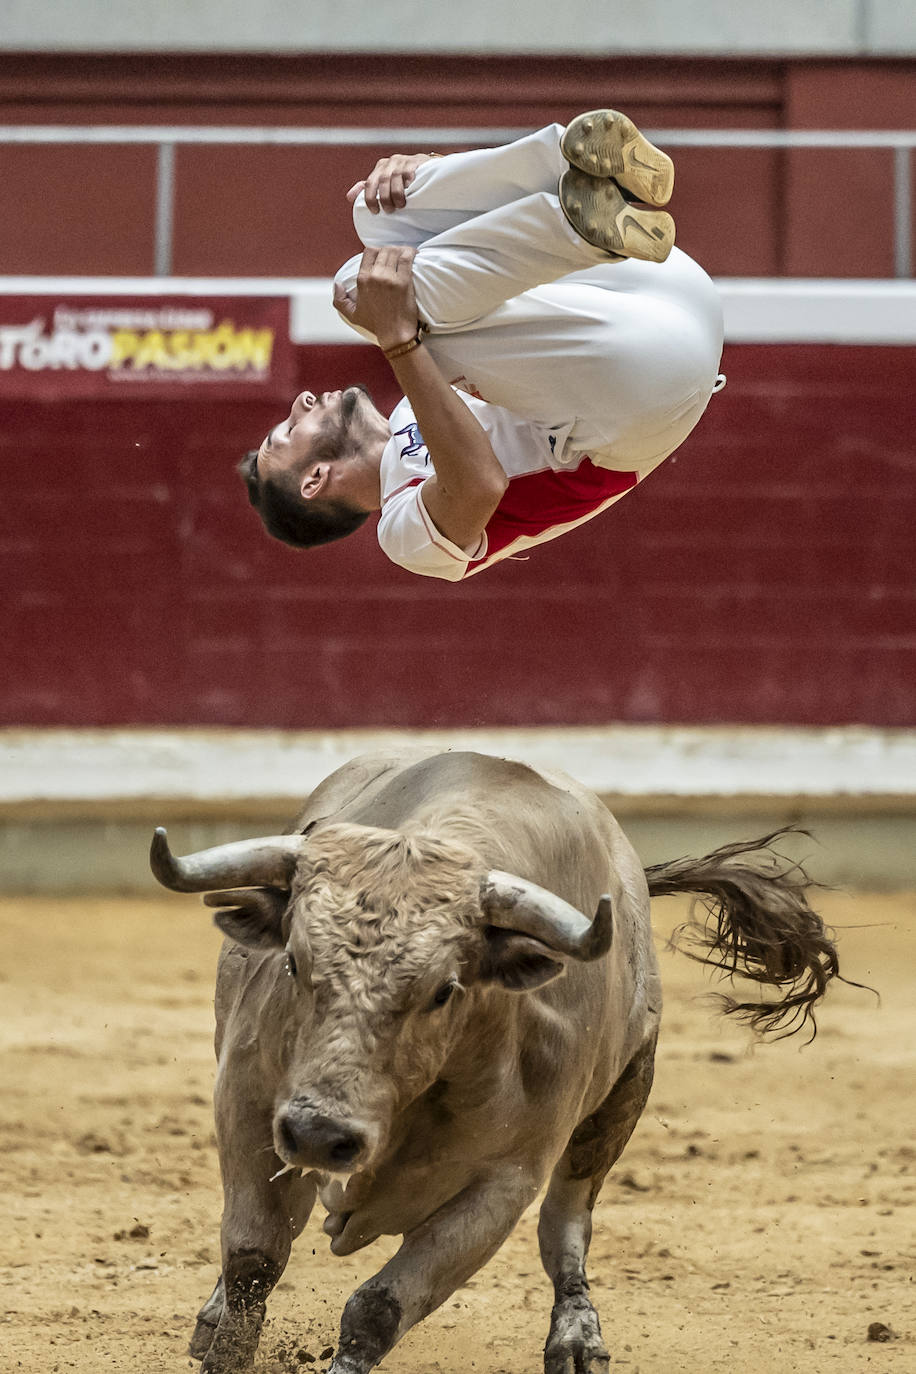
x,y
386,185
383,302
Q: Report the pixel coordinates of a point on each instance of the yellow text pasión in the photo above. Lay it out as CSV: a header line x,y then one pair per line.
x,y
224,349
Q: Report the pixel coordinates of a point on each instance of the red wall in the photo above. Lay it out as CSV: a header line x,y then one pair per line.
x,y
281,211
763,575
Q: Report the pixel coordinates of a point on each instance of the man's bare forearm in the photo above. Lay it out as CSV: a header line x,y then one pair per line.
x,y
469,481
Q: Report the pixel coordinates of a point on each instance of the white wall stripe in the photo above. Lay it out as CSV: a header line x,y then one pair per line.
x,y
757,309
419,136
796,310
44,767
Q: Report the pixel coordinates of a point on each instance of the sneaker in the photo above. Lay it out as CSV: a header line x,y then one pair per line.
x,y
601,214
605,143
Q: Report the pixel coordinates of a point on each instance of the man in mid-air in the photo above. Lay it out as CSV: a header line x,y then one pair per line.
x,y
552,345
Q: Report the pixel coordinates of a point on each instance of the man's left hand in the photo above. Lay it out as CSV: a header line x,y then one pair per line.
x,y
386,185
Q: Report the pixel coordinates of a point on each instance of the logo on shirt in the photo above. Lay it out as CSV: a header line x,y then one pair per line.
x,y
469,388
414,444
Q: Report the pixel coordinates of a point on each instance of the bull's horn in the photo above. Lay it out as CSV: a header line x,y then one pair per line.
x,y
516,904
268,862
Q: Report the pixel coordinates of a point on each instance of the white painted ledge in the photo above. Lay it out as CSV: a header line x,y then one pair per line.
x,y
757,309
782,310
44,768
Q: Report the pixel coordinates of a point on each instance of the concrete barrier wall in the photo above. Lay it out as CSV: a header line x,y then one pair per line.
x,y
77,809
842,27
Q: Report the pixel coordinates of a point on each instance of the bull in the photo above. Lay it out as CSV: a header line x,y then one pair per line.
x,y
418,1023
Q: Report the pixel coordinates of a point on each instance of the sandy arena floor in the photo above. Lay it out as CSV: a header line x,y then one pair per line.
x,y
761,1218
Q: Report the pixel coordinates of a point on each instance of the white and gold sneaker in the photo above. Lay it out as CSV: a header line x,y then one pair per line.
x,y
600,213
605,143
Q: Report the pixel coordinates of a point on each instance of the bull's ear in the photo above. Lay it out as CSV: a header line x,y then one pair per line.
x,y
251,915
519,962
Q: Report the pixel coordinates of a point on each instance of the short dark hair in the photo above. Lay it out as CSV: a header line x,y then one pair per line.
x,y
286,514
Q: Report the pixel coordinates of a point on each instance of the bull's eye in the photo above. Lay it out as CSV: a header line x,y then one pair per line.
x,y
443,994
291,966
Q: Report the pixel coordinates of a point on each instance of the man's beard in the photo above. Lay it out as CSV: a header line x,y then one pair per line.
x,y
350,400
335,437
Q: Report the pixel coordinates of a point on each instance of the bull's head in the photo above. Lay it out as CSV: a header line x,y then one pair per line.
x,y
389,941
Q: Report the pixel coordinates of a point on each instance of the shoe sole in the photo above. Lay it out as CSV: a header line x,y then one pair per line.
x,y
600,213
605,143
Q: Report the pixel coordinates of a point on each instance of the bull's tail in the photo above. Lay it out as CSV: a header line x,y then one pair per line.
x,y
757,923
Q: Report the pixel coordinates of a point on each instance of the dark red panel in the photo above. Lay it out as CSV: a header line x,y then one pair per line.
x,y
764,574
265,211
79,210
851,95
841,220
725,207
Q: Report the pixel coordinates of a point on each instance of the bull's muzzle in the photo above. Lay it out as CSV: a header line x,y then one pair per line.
x,y
308,1139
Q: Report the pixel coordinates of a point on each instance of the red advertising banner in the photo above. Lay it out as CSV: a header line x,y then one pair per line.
x,y
160,347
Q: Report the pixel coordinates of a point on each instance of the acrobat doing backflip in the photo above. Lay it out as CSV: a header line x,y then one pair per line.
x,y
552,345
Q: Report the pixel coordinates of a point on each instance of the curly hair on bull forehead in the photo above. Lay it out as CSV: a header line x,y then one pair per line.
x,y
389,875
385,913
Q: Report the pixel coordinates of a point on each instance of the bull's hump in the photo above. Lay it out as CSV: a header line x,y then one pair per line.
x,y
455,777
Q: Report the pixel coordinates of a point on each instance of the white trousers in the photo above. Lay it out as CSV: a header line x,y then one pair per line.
x,y
526,314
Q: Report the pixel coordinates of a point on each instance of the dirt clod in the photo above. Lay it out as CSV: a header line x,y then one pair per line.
x,y
137,1232
628,1180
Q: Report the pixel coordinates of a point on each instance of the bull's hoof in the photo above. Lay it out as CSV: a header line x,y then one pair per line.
x,y
574,1345
207,1321
577,1362
342,1365
581,1358
235,1342
202,1339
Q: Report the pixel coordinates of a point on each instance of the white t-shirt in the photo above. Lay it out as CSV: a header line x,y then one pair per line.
x,y
552,489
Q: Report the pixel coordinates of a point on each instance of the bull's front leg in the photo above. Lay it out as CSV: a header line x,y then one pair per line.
x,y
261,1218
432,1262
